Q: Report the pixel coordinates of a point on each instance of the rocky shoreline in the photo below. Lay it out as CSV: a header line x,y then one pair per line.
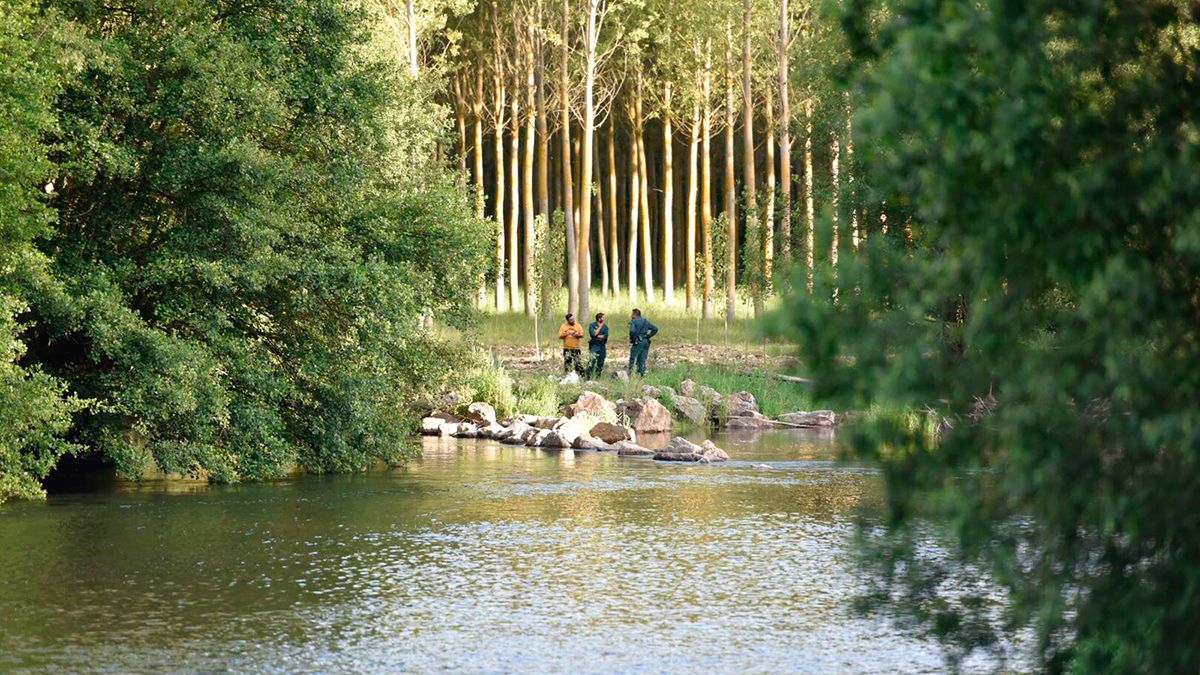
x,y
594,423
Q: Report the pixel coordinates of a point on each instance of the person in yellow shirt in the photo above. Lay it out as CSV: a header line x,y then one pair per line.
x,y
570,333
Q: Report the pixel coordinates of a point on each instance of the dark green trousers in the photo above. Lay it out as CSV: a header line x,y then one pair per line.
x,y
637,356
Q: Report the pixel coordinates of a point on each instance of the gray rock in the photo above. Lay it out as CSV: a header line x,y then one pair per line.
x,y
646,415
552,439
683,450
706,395
432,426
622,375
490,431
516,431
752,420
466,430
741,404
690,409
481,413
538,421
631,449
611,433
590,402
651,391
586,442
815,418
448,429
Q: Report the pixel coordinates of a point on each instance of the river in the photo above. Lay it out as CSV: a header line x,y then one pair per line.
x,y
475,557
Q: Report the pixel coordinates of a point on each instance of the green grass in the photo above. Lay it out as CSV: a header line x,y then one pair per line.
x,y
676,324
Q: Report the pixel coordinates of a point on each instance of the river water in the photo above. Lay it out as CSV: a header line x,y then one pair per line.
x,y
475,557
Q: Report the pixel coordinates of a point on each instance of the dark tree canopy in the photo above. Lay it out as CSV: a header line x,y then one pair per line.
x,y
1045,309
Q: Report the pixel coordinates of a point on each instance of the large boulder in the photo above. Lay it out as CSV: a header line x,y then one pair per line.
x,y
432,426
552,439
593,403
706,395
690,409
448,429
683,450
814,418
480,413
490,431
517,429
631,449
646,415
586,442
611,433
570,427
741,404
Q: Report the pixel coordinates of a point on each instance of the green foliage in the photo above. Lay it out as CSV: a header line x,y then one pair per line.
x,y
35,410
248,228
1045,312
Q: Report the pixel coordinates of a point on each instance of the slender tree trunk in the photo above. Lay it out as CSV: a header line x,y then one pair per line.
x,y
835,152
514,212
614,257
706,182
498,205
751,186
412,38
585,161
689,263
644,166
477,113
527,187
851,199
768,226
730,189
809,208
785,135
668,183
635,202
601,238
460,121
568,169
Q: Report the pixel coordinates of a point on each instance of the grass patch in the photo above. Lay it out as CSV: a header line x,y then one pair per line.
x,y
676,324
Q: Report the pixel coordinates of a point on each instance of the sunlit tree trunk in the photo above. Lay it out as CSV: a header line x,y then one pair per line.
x,y
730,189
585,160
768,227
785,135
412,38
460,120
750,187
668,188
706,182
477,113
851,198
835,152
514,212
809,209
614,248
635,202
689,263
643,165
499,203
568,169
527,184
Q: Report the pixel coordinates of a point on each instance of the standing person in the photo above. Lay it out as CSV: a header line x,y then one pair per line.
x,y
597,345
640,332
570,333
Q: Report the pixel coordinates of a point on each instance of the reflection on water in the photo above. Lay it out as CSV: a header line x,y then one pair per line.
x,y
475,557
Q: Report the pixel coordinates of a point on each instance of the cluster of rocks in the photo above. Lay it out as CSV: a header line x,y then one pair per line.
x,y
701,405
581,426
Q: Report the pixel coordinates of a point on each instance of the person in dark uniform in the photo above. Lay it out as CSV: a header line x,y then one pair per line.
x,y
597,345
640,332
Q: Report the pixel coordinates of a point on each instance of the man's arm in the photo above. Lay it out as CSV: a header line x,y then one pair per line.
x,y
651,330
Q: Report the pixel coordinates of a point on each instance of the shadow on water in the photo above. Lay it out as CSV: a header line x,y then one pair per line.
x,y
476,556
